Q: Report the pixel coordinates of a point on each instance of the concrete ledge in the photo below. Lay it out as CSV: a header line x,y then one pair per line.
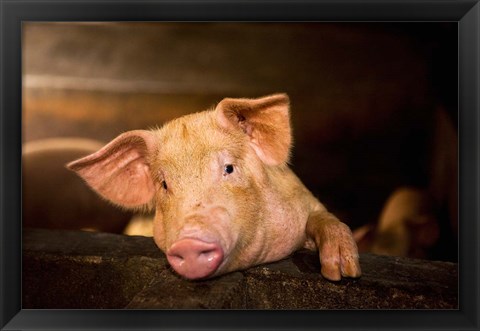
x,y
68,269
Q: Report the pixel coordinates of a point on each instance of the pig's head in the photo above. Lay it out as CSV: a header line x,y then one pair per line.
x,y
205,174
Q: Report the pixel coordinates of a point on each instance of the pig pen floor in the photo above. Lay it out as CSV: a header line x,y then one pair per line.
x,y
71,269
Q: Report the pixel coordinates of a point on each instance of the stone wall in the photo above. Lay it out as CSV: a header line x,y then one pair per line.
x,y
84,270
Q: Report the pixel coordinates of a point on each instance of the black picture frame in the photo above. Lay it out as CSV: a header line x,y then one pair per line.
x,y
13,13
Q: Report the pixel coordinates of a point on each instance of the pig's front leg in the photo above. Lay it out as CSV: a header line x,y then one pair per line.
x,y
337,248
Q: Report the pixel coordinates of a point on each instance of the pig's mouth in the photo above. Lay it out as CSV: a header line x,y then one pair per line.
x,y
193,258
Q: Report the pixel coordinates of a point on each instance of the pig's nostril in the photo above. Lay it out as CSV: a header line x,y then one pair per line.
x,y
176,259
209,255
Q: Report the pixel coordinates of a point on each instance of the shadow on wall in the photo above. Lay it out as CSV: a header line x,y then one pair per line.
x,y
373,109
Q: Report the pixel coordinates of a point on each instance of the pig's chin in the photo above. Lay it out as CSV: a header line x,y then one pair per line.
x,y
194,258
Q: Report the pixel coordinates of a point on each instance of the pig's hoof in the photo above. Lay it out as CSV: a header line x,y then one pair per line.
x,y
339,255
194,258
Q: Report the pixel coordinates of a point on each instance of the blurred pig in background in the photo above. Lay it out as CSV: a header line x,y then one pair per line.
x,y
54,198
420,221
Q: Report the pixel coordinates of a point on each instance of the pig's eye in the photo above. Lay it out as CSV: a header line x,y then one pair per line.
x,y
228,169
164,184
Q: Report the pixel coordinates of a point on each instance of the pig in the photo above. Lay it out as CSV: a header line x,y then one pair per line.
x,y
422,222
55,198
223,194
407,226
140,225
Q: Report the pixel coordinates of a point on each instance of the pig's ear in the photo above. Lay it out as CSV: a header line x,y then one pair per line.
x,y
120,171
266,122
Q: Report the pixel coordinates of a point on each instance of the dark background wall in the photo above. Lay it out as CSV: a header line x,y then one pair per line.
x,y
365,96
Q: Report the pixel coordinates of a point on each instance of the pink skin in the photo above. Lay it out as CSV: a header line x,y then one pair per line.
x,y
223,194
203,244
194,258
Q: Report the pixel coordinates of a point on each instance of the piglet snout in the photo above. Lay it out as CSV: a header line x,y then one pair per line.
x,y
194,258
